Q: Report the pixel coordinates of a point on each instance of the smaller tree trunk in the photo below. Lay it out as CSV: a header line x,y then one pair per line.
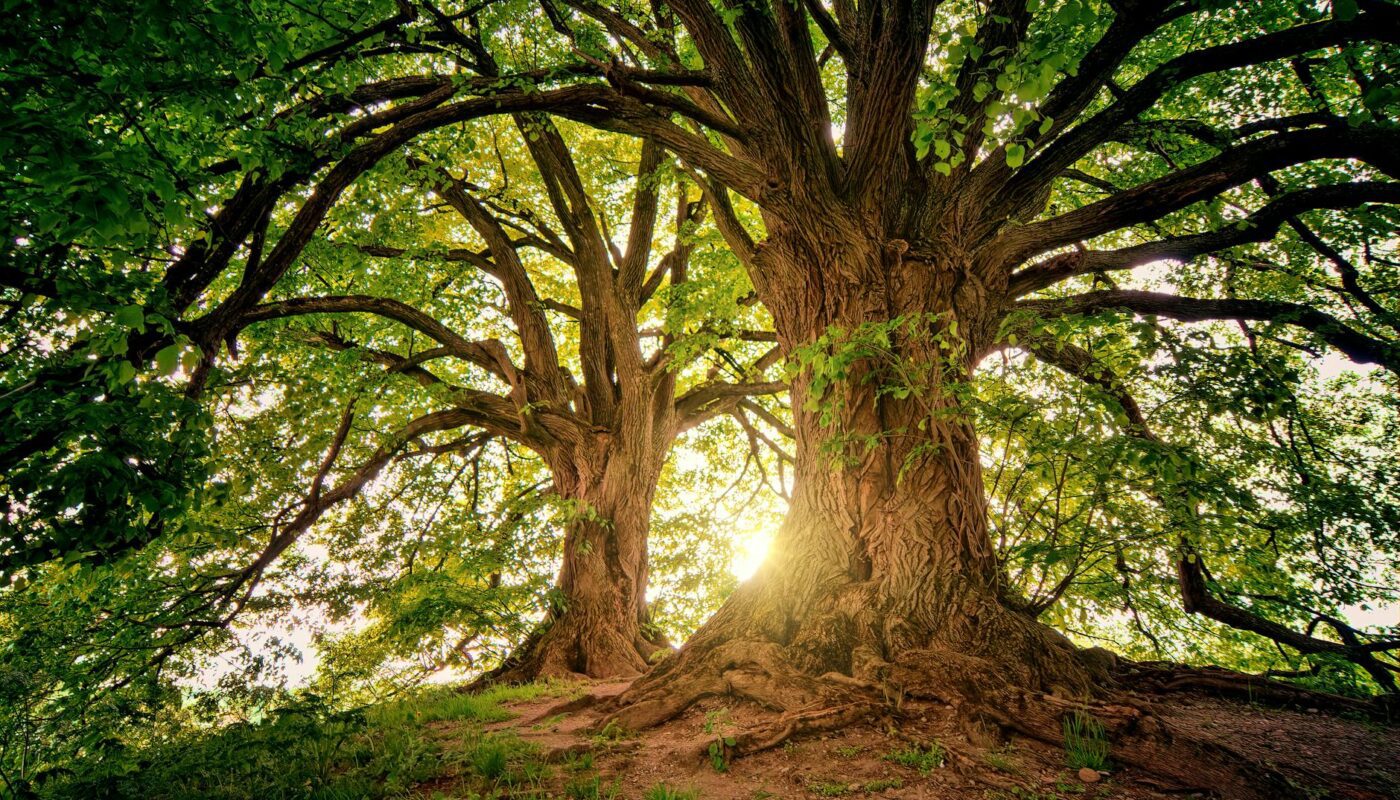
x,y
596,628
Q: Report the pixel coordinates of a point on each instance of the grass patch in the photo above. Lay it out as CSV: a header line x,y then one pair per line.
x,y
662,791
828,788
306,749
882,784
578,762
1086,742
491,758
923,759
446,703
590,787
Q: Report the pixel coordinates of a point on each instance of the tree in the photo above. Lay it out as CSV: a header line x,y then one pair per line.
x,y
950,197
604,434
943,204
919,171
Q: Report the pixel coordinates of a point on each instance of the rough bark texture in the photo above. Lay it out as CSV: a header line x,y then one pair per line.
x,y
882,582
883,564
597,628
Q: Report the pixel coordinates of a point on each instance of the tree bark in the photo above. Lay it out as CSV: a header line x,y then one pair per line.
x,y
883,575
596,628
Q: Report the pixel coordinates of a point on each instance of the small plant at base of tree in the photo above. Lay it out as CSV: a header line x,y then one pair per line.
x,y
611,733
829,788
662,791
923,759
578,762
590,787
490,759
719,725
1086,743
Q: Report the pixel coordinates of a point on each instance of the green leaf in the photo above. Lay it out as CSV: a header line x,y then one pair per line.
x,y
1344,10
1015,155
168,359
131,317
189,360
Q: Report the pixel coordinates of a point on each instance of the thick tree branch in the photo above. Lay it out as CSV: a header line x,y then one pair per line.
x,y
891,42
1356,346
719,397
523,303
489,354
606,331
1260,226
1158,198
632,270
830,29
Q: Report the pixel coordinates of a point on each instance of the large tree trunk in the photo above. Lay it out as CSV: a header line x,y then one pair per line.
x,y
883,573
882,582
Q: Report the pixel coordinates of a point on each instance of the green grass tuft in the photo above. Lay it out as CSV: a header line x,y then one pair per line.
x,y
662,791
590,787
1086,742
828,788
447,703
923,759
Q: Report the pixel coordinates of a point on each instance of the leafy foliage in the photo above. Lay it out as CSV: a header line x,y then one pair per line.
x,y
173,167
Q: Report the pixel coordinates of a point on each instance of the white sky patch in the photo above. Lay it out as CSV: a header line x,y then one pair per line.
x,y
1373,615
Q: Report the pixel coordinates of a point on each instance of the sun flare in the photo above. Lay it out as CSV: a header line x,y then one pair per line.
x,y
750,549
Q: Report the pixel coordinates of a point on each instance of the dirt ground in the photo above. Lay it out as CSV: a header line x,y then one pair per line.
x,y
1323,755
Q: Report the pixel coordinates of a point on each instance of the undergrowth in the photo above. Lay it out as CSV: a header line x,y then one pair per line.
x,y
306,750
662,791
924,759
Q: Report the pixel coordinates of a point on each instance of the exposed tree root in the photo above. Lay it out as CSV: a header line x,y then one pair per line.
x,y
1165,678
567,650
787,726
749,670
1144,742
983,695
